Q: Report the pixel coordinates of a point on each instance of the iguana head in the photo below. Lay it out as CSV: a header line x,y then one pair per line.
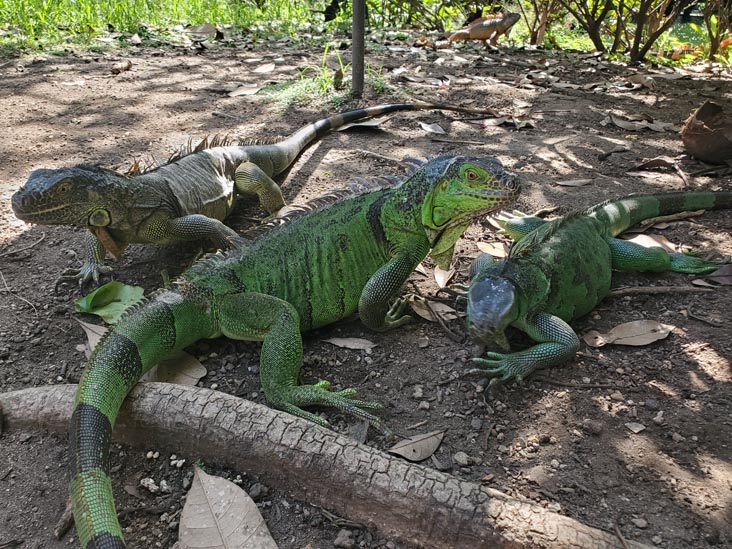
x,y
492,307
84,196
466,189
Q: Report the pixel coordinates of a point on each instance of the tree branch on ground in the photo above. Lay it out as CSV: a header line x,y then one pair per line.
x,y
410,502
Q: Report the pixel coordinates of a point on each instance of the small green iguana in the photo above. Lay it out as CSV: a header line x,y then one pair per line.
x,y
560,270
185,199
312,270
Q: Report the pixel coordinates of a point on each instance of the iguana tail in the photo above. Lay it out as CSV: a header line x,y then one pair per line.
x,y
141,339
295,143
619,215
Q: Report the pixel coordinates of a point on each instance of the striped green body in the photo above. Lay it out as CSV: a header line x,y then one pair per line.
x,y
310,271
561,269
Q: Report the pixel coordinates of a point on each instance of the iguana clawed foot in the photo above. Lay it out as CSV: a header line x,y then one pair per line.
x,y
89,271
294,398
396,316
503,366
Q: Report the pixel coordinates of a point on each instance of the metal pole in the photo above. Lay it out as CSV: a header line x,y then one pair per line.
x,y
357,47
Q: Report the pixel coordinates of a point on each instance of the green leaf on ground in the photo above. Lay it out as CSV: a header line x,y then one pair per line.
x,y
109,301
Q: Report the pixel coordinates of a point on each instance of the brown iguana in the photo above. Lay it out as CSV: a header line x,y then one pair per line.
x,y
184,199
488,29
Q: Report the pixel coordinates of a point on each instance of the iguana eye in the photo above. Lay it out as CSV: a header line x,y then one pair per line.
x,y
471,175
63,188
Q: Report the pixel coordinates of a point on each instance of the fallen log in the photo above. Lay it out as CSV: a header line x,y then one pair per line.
x,y
403,500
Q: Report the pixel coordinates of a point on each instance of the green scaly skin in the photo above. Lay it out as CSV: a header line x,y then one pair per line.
x,y
315,269
185,199
560,270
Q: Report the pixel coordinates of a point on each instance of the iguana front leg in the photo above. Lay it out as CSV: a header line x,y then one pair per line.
x,y
374,305
275,322
251,179
93,266
558,344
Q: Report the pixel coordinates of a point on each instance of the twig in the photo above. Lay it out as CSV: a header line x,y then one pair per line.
x,y
452,335
621,539
7,289
672,217
650,290
340,521
457,141
417,425
379,156
11,252
606,155
576,385
65,522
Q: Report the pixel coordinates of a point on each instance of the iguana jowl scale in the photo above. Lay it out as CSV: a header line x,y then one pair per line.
x,y
560,270
185,199
319,267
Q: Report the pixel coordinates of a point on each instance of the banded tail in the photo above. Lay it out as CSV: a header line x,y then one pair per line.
x,y
139,341
619,215
296,142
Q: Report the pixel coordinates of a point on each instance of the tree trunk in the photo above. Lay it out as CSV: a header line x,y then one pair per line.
x,y
413,503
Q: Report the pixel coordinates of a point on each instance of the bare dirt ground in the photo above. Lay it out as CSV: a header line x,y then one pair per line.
x,y
560,441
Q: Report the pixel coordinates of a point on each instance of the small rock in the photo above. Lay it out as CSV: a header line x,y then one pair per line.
x,y
476,424
418,391
150,485
658,418
544,438
639,522
554,463
651,404
424,405
165,487
461,458
617,396
423,342
635,427
258,491
676,437
592,427
344,539
657,540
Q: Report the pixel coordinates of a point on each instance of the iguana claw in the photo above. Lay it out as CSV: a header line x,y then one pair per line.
x,y
319,394
89,271
505,367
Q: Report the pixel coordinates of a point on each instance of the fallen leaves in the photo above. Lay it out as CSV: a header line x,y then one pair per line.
x,y
355,343
635,333
220,515
110,301
429,309
418,447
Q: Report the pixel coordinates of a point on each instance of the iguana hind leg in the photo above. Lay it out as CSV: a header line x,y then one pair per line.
x,y
558,344
251,179
632,257
275,322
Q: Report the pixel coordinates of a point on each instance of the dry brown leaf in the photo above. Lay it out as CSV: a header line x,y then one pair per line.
x,y
442,277
421,269
642,79
721,277
653,241
432,128
418,447
205,29
220,515
368,123
574,182
496,249
636,333
245,90
355,343
94,333
703,283
181,369
265,68
424,308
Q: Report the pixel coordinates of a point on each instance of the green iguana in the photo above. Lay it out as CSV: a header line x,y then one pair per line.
x,y
488,29
185,199
559,270
312,270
